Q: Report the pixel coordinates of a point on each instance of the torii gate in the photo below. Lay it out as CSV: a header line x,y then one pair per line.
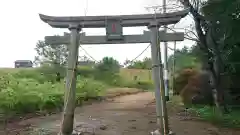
x,y
114,26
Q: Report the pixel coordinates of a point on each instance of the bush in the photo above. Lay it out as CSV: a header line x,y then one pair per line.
x,y
30,96
86,71
106,71
182,79
194,87
90,88
108,64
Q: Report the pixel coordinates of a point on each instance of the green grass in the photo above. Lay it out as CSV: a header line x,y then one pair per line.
x,y
27,91
210,114
20,96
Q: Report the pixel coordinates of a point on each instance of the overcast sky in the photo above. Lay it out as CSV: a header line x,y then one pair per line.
x,y
21,27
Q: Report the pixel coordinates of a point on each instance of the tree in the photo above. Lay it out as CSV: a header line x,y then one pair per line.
x,y
54,55
146,63
226,35
185,58
214,28
52,59
203,30
108,64
108,70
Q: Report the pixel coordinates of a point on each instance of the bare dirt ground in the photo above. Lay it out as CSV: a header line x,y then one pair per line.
x,y
125,115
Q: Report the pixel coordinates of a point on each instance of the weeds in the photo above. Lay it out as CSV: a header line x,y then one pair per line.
x,y
210,114
29,96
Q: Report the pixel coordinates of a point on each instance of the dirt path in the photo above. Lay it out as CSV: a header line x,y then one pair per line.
x,y
126,115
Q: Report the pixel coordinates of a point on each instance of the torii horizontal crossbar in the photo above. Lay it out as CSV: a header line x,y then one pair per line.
x,y
140,38
126,20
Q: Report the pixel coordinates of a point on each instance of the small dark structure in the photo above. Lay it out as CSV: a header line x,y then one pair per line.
x,y
23,64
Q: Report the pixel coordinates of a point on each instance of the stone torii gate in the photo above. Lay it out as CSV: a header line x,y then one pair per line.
x,y
114,26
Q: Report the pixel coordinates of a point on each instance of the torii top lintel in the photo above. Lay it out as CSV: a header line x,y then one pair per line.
x,y
126,20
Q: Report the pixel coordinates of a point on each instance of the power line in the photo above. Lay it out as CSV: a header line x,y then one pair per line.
x,y
142,52
89,55
85,14
138,55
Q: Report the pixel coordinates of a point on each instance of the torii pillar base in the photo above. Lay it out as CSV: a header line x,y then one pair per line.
x,y
156,132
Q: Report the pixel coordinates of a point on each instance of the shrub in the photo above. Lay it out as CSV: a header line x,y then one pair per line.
x,y
90,88
194,87
108,64
86,71
30,96
182,79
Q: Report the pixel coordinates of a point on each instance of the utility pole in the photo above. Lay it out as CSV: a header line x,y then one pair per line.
x,y
173,66
165,92
166,57
157,63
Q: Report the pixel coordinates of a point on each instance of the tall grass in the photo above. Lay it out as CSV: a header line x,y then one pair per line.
x,y
25,95
36,90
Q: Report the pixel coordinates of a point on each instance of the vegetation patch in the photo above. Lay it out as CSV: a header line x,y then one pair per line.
x,y
212,115
21,96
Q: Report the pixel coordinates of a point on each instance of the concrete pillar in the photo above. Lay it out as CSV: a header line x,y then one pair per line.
x,y
166,78
156,71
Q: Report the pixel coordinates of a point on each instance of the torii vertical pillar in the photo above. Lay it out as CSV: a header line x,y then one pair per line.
x,y
69,106
157,71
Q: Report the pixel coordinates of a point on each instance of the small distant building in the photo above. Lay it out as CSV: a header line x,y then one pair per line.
x,y
23,64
